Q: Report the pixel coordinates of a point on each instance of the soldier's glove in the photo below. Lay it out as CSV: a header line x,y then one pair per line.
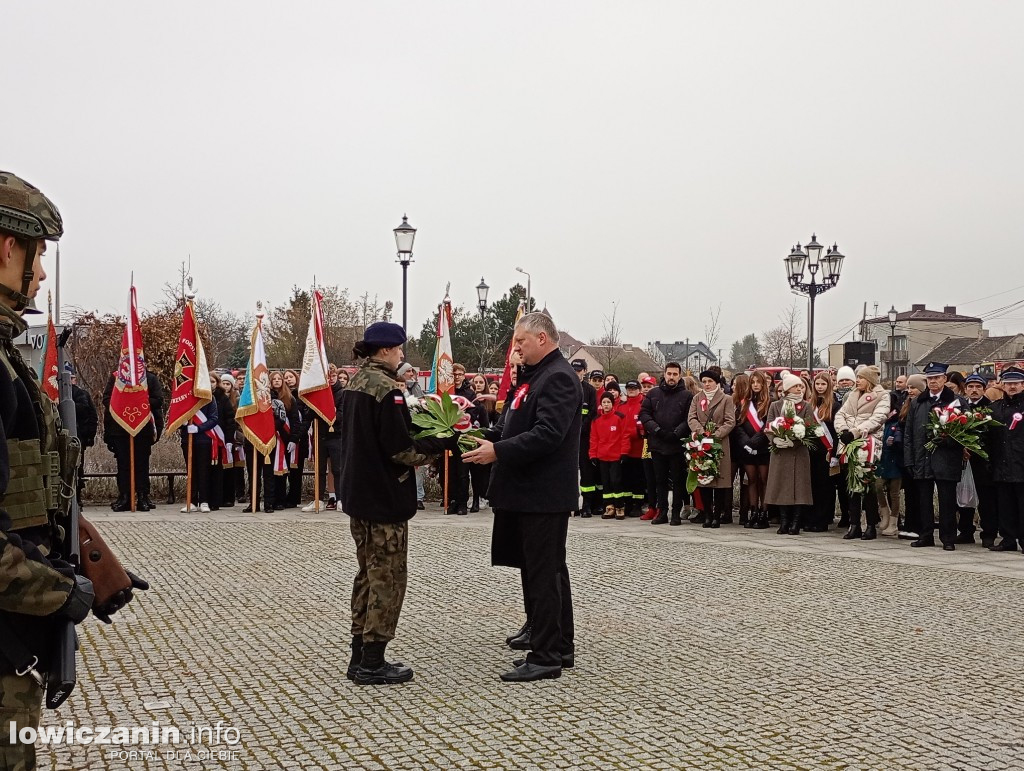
x,y
79,601
846,436
120,599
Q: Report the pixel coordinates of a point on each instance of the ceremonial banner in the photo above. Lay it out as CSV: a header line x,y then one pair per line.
x,y
314,388
191,386
129,401
51,377
442,378
254,413
506,375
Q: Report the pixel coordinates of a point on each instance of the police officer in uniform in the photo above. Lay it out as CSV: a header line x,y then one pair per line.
x,y
1006,444
588,472
378,492
37,588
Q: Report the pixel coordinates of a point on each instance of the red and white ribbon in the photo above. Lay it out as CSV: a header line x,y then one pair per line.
x,y
753,419
826,435
1016,419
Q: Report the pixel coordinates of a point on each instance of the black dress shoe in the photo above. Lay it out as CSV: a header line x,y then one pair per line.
x,y
948,547
474,509
529,672
965,538
520,643
988,543
1004,545
586,514
523,630
385,674
462,511
568,661
268,509
247,509
143,506
419,506
853,532
149,504
869,533
120,506
923,542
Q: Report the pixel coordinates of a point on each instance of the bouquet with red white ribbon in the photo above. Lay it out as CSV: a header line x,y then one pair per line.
x,y
443,416
965,427
861,458
789,429
703,456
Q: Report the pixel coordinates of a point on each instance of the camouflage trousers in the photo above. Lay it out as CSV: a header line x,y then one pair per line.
x,y
20,702
379,589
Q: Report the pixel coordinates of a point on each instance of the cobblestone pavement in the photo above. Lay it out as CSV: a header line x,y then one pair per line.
x,y
695,649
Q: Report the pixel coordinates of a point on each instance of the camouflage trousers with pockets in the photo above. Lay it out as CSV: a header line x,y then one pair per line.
x,y
379,589
21,700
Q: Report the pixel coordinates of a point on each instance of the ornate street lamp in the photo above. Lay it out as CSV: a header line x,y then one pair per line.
x,y
802,272
405,234
893,314
481,297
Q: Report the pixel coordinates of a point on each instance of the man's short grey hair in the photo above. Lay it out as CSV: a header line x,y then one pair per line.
x,y
538,322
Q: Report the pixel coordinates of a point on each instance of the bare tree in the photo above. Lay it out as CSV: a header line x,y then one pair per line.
x,y
781,345
713,329
608,347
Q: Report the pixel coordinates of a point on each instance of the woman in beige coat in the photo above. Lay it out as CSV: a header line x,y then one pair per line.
x,y
789,475
863,414
711,405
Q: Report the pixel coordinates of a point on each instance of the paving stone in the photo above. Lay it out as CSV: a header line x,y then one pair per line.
x,y
695,649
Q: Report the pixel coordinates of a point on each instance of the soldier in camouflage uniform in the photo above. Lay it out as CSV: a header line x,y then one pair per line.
x,y
378,492
37,588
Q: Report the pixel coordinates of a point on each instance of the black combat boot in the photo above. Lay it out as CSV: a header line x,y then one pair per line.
x,y
357,657
676,518
661,519
476,505
762,520
854,531
869,533
374,670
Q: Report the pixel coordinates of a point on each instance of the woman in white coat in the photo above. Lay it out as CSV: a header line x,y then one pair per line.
x,y
863,414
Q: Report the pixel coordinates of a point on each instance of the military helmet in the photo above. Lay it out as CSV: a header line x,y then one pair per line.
x,y
25,211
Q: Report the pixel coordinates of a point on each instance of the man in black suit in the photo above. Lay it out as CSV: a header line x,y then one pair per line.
x,y
533,489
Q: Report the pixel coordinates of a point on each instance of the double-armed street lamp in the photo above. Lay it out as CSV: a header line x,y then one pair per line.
x,y
405,234
481,297
811,261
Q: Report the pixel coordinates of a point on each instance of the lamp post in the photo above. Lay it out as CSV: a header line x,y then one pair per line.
x,y
481,297
405,234
529,294
892,344
829,266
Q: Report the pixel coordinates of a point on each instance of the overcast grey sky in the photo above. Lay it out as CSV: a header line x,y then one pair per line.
x,y
665,155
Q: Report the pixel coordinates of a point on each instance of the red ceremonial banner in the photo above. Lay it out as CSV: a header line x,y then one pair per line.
x,y
129,402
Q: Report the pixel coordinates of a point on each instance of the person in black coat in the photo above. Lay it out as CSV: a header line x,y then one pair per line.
x,y
119,442
534,487
940,468
458,471
222,473
974,396
86,422
588,472
1006,443
664,417
328,438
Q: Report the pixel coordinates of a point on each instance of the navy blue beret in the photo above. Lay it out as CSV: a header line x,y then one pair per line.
x,y
384,334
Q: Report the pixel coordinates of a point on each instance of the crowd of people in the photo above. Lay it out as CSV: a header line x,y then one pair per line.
x,y
633,456
632,452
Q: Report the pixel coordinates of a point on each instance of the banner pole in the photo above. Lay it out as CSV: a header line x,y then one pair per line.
x,y
131,463
316,465
188,477
252,481
445,493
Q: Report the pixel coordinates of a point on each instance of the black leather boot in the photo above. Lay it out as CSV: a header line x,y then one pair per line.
x,y
476,505
762,520
783,521
869,533
794,523
853,532
357,657
374,670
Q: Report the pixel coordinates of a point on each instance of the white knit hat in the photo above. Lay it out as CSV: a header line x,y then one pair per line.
x,y
845,373
789,380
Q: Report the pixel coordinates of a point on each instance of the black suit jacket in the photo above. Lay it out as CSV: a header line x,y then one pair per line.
x,y
539,439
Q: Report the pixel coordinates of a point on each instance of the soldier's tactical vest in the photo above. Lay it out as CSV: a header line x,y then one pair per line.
x,y
42,471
